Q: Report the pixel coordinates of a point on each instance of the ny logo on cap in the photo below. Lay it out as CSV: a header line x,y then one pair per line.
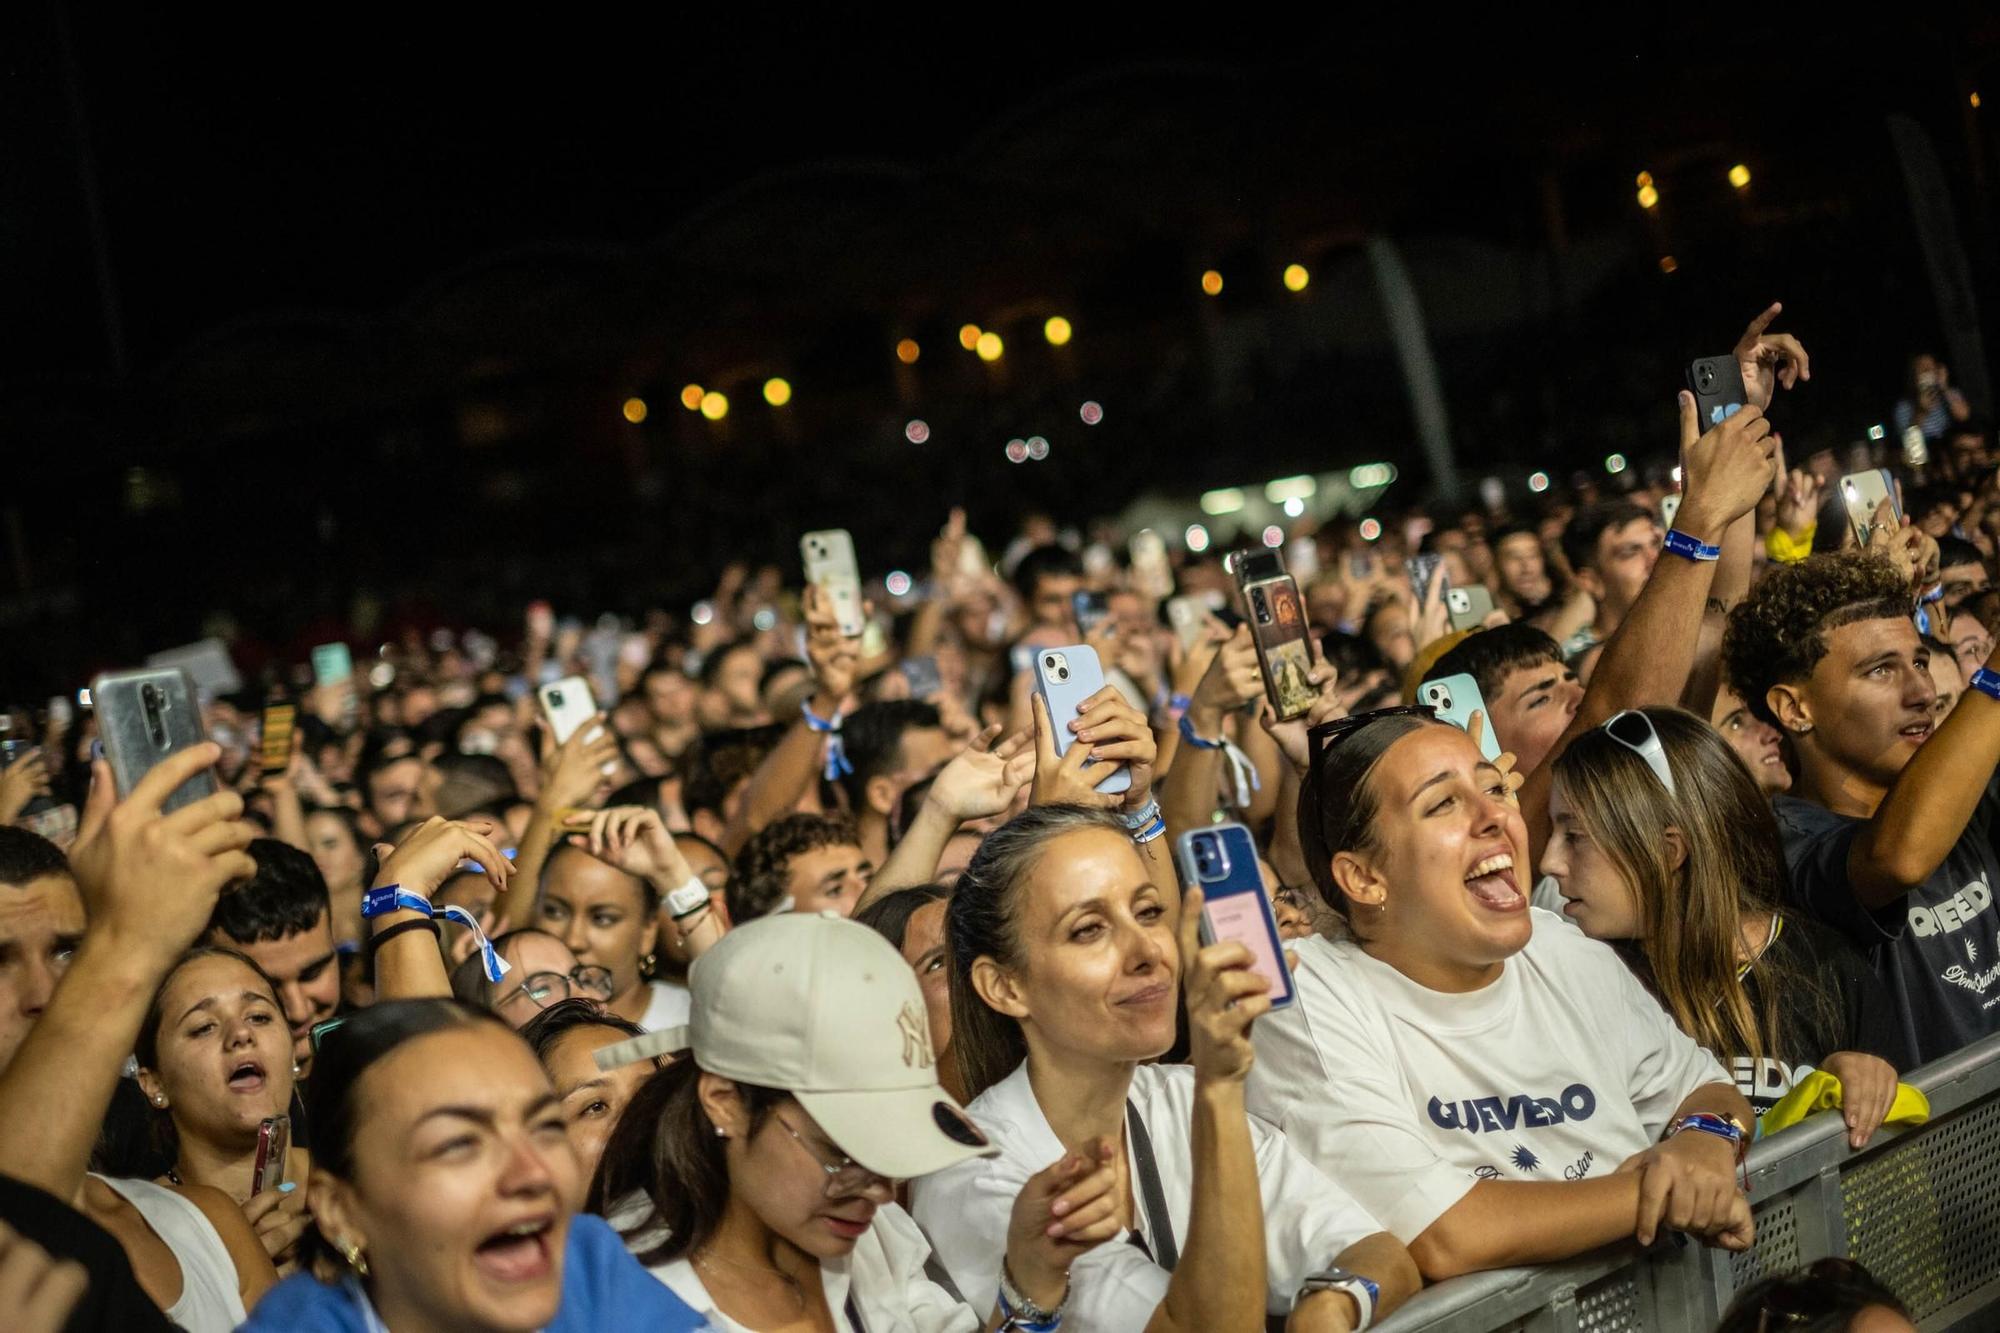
x,y
916,1038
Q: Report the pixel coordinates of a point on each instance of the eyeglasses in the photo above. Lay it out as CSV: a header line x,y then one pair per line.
x,y
1634,730
1324,736
545,988
845,1177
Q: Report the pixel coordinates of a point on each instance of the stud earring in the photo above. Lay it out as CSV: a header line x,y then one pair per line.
x,y
159,1099
356,1260
721,1133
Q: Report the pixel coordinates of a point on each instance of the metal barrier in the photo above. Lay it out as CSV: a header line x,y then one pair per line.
x,y
1919,1207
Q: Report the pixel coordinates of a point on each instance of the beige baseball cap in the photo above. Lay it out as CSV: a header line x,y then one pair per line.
x,y
827,1010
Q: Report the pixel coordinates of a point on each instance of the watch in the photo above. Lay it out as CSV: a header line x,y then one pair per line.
x,y
688,899
1364,1292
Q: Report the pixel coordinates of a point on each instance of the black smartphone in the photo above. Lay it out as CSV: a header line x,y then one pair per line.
x,y
1717,385
1092,610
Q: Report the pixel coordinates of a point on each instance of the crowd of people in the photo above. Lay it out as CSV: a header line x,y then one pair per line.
x,y
825,977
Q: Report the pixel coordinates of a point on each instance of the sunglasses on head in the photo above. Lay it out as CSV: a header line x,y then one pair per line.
x,y
1326,735
1634,730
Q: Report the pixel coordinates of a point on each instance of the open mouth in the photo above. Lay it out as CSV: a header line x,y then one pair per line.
x,y
1919,732
520,1253
1491,883
246,1076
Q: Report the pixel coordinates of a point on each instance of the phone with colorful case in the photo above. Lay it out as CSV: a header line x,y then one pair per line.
x,y
1456,699
1221,861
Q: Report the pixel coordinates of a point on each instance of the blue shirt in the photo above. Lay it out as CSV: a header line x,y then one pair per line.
x,y
603,1288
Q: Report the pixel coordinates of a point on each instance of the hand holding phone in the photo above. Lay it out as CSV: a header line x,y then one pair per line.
x,y
274,1146
1221,861
275,743
1456,699
568,704
830,564
1064,679
143,718
1468,608
1863,494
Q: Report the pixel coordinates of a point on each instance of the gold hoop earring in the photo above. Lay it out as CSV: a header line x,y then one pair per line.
x,y
356,1260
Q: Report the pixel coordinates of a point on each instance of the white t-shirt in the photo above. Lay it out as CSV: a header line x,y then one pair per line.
x,y
965,1209
1559,1070
884,1273
670,1007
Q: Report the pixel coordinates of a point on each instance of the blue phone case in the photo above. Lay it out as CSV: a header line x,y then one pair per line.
x,y
1456,699
1064,678
1221,860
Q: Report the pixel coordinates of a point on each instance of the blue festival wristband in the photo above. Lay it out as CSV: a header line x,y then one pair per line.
x,y
1986,682
1680,544
1199,742
391,898
837,764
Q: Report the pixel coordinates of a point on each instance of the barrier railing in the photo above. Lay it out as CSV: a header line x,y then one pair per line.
x,y
1919,1207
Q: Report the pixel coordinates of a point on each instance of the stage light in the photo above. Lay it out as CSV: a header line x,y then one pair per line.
x,y
968,336
777,392
1196,538
1739,176
1615,464
907,351
1227,500
635,410
917,431
1539,482
1017,451
1091,413
1371,530
1211,282
691,397
989,347
1038,448
1669,264
1056,330
898,583
1294,507
1274,535
1296,277
714,406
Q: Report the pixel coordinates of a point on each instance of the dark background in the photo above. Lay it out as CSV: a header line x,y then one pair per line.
x,y
305,309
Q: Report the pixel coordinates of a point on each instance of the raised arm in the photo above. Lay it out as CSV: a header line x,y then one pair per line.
x,y
572,773
149,883
789,771
980,783
1231,681
408,964
1648,660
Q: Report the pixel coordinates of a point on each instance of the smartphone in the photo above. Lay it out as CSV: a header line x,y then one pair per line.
x,y
1456,699
332,664
1302,558
1670,508
1152,576
319,1032
275,750
922,673
1221,861
830,564
1252,565
60,711
1187,615
1468,608
1916,453
1278,626
567,704
1717,385
1064,678
1863,493
274,1147
1092,609
1420,568
142,718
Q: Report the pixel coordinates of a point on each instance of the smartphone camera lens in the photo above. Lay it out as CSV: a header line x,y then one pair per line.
x,y
555,698
1063,674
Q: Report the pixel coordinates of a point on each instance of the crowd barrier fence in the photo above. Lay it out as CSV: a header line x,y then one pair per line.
x,y
1920,1207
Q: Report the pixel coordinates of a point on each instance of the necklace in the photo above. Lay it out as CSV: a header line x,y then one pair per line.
x,y
708,1262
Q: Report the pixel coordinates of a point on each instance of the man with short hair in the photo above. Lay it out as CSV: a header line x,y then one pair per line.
x,y
816,861
395,791
282,918
1525,585
1962,572
1889,832
1048,579
890,746
1611,547
1530,694
41,922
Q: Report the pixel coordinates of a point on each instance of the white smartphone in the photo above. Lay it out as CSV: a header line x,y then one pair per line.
x,y
830,566
1187,616
1863,494
568,704
1152,575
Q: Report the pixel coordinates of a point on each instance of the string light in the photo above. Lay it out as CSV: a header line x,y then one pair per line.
x,y
1296,277
907,351
988,346
968,336
1017,451
1274,535
1645,179
917,431
777,392
714,406
1668,263
1056,330
1539,482
691,397
1371,529
1211,282
1091,413
1615,464
1649,197
1196,538
635,410
1739,176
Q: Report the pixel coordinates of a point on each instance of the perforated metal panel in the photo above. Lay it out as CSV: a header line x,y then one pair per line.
x,y
1611,1306
1777,1247
1923,1215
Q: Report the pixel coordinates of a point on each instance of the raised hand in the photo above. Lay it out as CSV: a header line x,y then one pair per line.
x,y
982,782
835,658
1905,545
573,772
150,881
431,855
1063,1211
1767,357
1117,733
1726,469
24,780
1224,997
1232,680
1068,778
1328,705
1430,619
635,839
